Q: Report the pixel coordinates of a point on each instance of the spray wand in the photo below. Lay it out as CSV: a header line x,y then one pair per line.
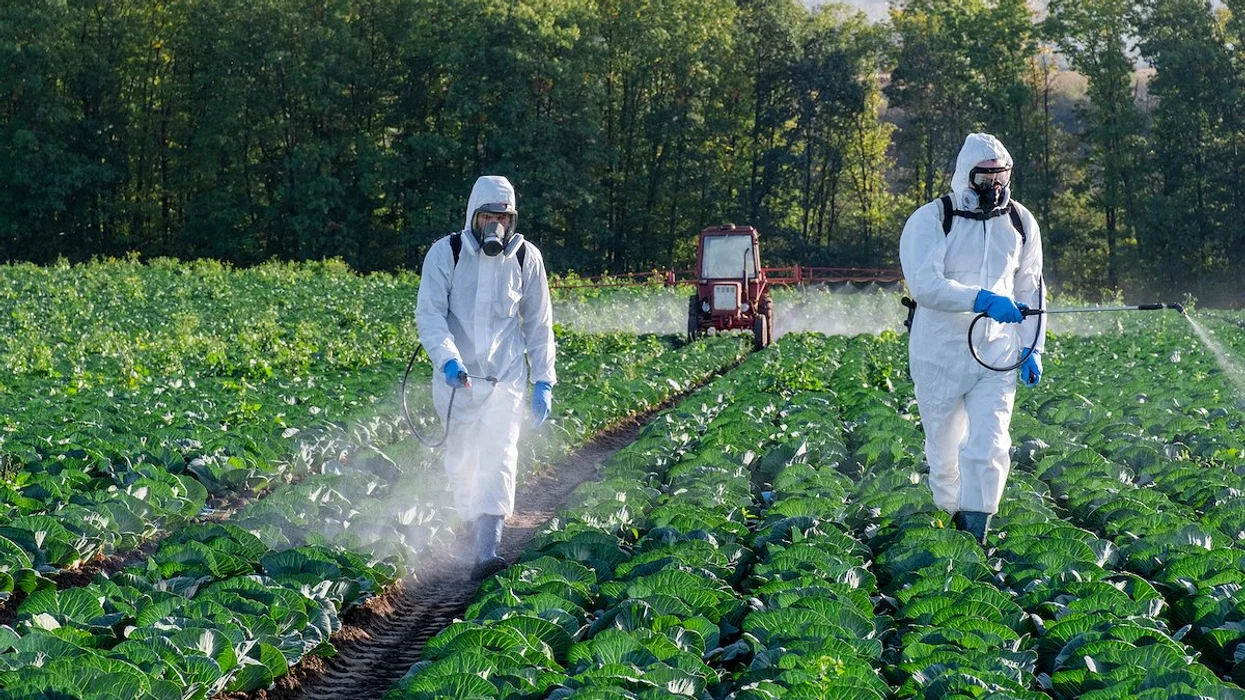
x,y
1092,309
463,378
1027,312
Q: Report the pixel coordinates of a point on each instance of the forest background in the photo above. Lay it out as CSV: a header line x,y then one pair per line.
x,y
248,130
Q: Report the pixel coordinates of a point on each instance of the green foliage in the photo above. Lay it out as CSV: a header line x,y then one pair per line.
x,y
1106,575
230,606
249,131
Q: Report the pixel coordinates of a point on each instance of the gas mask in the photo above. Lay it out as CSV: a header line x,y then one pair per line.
x,y
492,238
490,232
991,186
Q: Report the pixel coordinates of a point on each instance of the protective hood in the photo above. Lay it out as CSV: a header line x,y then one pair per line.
x,y
977,147
490,189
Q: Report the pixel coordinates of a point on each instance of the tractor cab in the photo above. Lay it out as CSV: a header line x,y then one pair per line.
x,y
731,288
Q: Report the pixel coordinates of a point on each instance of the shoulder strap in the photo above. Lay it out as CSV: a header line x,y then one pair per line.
x,y
1013,213
1018,223
456,245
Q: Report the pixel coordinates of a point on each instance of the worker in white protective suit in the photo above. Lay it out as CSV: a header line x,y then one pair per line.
x,y
973,251
484,311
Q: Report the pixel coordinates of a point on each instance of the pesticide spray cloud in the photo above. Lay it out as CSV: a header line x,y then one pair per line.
x,y
659,310
376,490
1231,369
367,486
850,309
846,309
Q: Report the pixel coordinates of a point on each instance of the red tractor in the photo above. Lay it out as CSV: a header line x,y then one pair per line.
x,y
731,289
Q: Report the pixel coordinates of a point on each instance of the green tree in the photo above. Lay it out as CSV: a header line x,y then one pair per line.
x,y
1003,48
1092,34
935,86
843,163
1192,231
770,52
963,66
59,162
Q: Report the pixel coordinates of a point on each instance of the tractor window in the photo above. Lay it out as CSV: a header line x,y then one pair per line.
x,y
724,257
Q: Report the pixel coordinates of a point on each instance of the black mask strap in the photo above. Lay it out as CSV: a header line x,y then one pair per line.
x,y
982,215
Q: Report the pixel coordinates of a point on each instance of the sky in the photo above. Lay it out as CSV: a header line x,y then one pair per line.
x,y
875,9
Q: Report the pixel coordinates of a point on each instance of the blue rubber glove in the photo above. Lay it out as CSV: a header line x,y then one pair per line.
x,y
1031,370
998,307
455,375
542,403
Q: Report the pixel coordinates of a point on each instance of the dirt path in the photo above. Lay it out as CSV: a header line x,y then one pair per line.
x,y
381,640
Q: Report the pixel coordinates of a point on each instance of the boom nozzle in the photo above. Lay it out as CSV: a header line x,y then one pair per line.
x,y
1180,308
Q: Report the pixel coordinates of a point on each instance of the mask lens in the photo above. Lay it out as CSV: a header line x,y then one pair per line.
x,y
489,212
991,177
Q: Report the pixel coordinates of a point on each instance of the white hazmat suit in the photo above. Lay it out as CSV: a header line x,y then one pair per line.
x,y
965,408
494,316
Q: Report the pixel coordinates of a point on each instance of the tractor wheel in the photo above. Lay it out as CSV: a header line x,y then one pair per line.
x,y
693,319
760,332
765,307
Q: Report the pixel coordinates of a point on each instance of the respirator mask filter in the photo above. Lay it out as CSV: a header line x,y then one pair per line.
x,y
493,238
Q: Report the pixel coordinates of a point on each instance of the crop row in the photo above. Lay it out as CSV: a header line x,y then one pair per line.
x,y
642,588
1101,630
1091,624
212,382
230,606
202,362
850,587
136,395
1151,463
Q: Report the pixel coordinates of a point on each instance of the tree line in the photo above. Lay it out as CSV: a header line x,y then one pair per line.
x,y
246,130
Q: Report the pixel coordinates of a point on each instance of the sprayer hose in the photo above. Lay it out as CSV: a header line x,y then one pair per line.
x,y
973,348
449,411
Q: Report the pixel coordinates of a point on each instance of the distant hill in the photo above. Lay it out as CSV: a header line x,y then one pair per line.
x,y
1067,95
1069,91
877,9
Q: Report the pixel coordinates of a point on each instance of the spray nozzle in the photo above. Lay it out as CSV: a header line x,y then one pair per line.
x,y
1157,307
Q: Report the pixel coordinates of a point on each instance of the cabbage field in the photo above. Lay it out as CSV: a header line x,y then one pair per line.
x,y
206,476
